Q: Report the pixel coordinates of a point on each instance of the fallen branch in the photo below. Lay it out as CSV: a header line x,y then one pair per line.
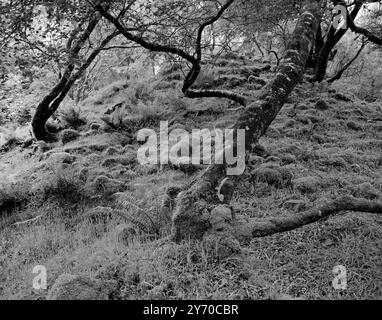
x,y
246,229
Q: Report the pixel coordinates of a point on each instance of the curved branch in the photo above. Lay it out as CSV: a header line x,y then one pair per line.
x,y
195,70
370,36
139,40
347,65
190,93
206,24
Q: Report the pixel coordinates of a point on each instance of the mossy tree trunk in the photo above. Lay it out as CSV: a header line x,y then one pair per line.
x,y
190,219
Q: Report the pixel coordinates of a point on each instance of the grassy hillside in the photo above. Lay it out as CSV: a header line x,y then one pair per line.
x,y
85,206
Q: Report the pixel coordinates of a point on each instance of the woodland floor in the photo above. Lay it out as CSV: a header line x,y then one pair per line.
x,y
325,144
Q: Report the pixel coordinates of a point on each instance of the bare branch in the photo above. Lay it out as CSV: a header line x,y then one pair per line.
x,y
190,93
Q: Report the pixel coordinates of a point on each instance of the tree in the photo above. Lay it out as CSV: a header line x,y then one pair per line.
x,y
72,45
324,46
192,215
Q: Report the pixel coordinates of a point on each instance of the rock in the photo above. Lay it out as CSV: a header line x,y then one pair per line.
x,y
322,105
61,157
70,287
307,184
69,135
220,216
126,233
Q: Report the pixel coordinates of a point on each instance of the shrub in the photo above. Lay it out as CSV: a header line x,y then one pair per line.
x,y
64,186
72,118
13,196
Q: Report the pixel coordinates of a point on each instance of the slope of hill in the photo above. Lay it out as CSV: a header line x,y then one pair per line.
x,y
85,206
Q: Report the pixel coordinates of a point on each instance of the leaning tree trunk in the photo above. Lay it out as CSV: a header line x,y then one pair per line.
x,y
51,102
192,216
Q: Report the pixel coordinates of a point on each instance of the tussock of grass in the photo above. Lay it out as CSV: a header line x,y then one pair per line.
x,y
72,117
